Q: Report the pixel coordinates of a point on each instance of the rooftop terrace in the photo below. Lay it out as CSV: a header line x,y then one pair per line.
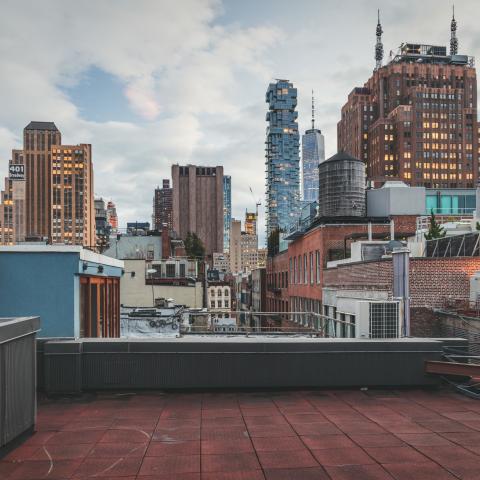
x,y
273,435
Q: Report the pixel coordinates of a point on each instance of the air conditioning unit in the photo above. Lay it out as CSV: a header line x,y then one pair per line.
x,y
378,319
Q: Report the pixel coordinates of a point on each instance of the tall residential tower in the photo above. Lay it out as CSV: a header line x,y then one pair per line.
x,y
282,156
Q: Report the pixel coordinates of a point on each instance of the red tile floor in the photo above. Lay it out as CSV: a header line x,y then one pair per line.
x,y
304,435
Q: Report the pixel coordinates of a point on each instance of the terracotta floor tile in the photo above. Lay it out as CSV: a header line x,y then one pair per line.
x,y
117,450
73,438
463,438
170,476
275,420
271,431
108,467
396,455
360,427
179,448
317,429
440,426
450,455
170,465
359,472
314,473
176,434
63,452
342,456
292,459
248,475
37,469
426,439
426,471
238,445
125,435
241,462
273,444
376,440
224,433
305,418
223,421
321,442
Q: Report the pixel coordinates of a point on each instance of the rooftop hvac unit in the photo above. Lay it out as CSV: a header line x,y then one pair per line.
x,y
379,319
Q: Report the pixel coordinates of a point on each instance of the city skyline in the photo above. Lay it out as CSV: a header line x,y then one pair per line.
x,y
130,103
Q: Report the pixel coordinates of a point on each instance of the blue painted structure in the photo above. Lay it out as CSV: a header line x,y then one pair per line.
x,y
44,281
282,156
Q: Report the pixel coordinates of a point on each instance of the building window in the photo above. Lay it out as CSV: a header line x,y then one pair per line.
x,y
226,304
311,268
305,269
212,303
170,270
317,255
219,294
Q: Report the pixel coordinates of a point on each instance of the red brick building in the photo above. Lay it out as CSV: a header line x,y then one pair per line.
x,y
295,276
435,283
415,119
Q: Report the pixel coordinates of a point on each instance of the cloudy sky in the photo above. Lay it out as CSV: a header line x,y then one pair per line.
x,y
155,82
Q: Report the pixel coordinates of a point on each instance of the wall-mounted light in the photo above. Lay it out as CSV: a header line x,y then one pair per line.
x,y
84,266
100,269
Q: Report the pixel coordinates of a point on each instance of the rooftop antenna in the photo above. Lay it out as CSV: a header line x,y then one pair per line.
x,y
379,45
453,34
313,111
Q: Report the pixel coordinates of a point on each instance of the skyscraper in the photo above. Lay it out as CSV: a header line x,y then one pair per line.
x,y
227,211
12,202
198,204
73,210
163,206
415,119
282,156
59,187
38,140
313,153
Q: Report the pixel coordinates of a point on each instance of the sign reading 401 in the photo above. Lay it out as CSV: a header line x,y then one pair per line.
x,y
16,172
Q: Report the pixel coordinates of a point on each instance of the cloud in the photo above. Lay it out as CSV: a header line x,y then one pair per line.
x,y
196,75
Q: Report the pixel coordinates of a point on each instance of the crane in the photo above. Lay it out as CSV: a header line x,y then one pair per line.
x,y
258,203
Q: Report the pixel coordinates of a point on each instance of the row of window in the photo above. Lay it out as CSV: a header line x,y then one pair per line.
x,y
306,269
218,304
219,292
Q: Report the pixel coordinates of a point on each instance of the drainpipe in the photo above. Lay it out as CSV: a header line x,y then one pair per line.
x,y
370,231
392,229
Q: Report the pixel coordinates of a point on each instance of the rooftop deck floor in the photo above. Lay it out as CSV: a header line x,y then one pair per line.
x,y
304,435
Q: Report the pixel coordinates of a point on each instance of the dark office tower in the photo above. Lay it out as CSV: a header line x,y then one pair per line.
x,y
38,140
162,206
282,156
198,204
415,119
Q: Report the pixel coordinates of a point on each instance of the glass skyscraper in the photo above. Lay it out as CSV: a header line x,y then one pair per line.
x,y
313,153
282,156
227,211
